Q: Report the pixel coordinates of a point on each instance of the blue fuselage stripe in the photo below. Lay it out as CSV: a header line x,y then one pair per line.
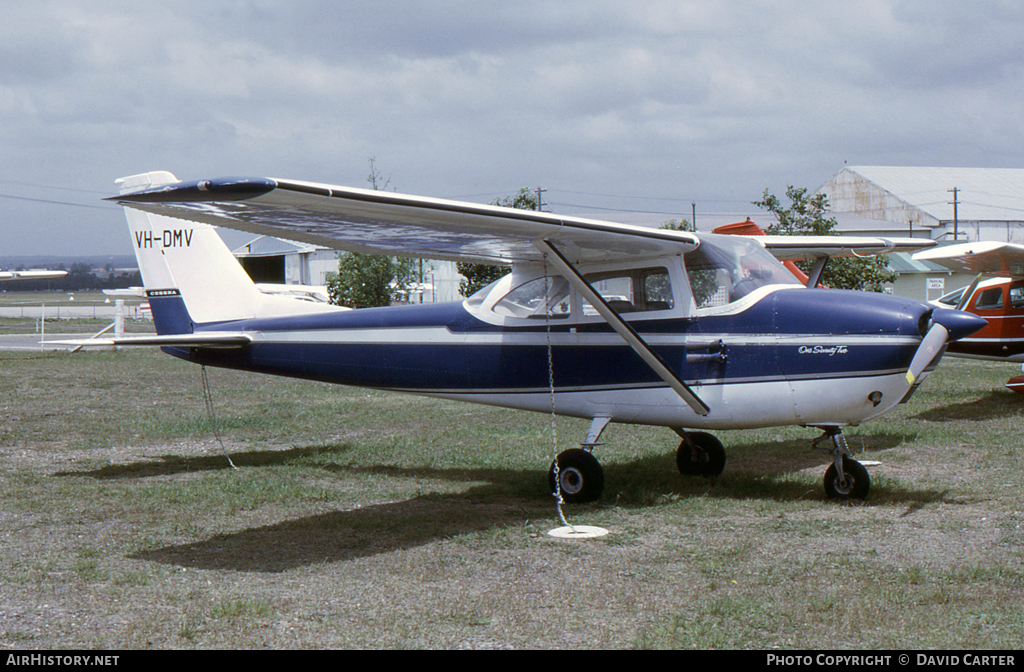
x,y
445,348
476,368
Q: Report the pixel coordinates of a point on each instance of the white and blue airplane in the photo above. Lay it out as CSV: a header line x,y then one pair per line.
x,y
597,320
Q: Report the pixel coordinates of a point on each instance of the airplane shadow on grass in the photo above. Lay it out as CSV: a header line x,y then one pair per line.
x,y
996,404
502,498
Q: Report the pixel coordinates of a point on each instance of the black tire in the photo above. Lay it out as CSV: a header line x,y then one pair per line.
x,y
856,485
700,454
580,476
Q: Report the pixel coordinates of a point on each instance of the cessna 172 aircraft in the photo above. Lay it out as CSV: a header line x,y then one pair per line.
x,y
999,299
602,321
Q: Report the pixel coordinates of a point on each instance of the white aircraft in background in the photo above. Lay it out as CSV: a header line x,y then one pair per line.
x,y
602,321
313,293
31,275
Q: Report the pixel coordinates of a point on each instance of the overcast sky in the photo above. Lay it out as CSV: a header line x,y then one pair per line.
x,y
614,107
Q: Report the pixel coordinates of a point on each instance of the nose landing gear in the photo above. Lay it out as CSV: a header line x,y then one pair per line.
x,y
846,478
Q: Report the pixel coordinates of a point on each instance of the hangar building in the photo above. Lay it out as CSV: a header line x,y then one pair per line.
x,y
271,260
944,204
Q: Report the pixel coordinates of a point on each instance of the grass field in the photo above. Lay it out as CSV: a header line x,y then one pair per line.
x,y
366,519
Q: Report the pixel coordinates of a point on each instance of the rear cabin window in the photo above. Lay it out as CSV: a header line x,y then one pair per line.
x,y
1017,296
632,291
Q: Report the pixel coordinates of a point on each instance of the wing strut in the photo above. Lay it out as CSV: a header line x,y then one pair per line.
x,y
653,359
816,273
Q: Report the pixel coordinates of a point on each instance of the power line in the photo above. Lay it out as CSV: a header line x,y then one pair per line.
x,y
52,202
52,186
651,198
594,207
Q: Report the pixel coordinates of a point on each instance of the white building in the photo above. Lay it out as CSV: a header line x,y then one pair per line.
x,y
274,261
943,204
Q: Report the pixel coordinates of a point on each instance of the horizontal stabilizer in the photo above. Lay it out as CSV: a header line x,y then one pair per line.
x,y
208,339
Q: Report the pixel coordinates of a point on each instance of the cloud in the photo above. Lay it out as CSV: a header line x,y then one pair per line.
x,y
706,102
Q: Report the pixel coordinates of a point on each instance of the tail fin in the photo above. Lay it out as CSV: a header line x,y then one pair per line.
x,y
189,274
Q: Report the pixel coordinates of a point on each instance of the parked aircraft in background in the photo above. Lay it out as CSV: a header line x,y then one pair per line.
x,y
999,299
603,321
31,275
315,293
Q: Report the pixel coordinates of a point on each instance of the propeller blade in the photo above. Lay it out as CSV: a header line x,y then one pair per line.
x,y
931,345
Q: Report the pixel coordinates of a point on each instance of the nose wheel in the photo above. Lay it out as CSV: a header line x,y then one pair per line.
x,y
854,482
846,478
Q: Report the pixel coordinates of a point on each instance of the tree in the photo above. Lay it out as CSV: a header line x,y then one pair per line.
x,y
479,276
678,225
369,280
806,216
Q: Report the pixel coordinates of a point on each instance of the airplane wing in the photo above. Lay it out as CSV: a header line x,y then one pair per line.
x,y
815,247
379,222
986,257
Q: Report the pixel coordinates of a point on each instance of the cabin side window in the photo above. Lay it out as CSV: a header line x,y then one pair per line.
x,y
990,299
632,290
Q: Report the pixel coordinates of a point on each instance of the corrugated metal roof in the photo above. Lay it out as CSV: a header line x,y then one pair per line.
x,y
985,194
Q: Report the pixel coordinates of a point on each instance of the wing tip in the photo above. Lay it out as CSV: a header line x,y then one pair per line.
x,y
136,189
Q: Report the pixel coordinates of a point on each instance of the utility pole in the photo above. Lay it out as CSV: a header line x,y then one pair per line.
x,y
694,220
540,198
956,214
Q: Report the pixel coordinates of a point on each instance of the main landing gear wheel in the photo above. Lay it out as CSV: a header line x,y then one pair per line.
x,y
854,484
580,476
700,454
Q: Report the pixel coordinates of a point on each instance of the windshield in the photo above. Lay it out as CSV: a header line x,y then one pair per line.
x,y
953,298
540,297
724,269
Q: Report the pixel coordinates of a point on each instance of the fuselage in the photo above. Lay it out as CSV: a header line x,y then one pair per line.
x,y
780,356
